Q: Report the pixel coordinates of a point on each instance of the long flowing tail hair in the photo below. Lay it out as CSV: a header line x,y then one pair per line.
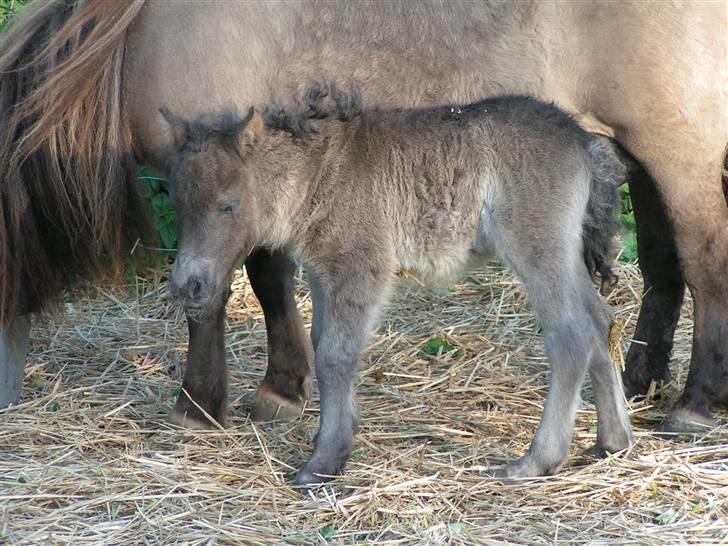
x,y
69,199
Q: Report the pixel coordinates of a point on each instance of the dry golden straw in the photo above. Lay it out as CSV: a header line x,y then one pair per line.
x,y
87,458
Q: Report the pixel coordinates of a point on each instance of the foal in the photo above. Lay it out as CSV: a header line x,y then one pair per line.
x,y
358,195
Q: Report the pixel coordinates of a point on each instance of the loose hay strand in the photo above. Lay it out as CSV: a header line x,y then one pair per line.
x,y
86,457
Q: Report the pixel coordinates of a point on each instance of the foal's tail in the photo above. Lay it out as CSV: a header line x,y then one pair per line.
x,y
601,223
69,202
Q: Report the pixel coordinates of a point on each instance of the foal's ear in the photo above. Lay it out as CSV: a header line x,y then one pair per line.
x,y
179,128
251,128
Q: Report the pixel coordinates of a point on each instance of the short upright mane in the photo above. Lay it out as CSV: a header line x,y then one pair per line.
x,y
318,101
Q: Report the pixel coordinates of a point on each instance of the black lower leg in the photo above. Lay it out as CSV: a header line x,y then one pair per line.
x,y
289,352
206,376
649,354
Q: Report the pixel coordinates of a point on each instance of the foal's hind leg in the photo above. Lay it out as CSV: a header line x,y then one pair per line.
x,y
287,383
567,338
649,354
614,432
575,333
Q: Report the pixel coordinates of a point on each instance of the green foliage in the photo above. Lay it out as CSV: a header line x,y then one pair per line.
x,y
8,8
156,190
629,235
436,346
326,532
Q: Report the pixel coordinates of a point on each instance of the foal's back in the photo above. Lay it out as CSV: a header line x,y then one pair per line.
x,y
441,175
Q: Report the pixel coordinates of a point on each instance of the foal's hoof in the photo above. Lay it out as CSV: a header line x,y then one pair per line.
x,y
310,476
186,413
600,452
527,467
685,421
271,406
187,420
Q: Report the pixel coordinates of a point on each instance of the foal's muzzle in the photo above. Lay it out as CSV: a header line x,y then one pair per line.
x,y
191,282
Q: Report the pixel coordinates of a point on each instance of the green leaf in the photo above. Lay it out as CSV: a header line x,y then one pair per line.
x,y
326,532
629,241
435,346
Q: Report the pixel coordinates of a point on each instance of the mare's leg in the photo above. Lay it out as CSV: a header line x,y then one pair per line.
x,y
287,382
663,291
205,381
351,298
13,350
689,178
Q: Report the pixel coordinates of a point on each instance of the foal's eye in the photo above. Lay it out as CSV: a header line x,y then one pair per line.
x,y
229,208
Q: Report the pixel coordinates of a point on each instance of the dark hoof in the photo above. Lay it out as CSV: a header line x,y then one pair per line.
x,y
594,452
310,477
686,422
271,406
597,452
187,414
185,419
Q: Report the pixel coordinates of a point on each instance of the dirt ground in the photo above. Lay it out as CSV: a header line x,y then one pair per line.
x,y
87,458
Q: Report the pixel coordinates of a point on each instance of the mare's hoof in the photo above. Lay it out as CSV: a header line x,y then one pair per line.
x,y
684,421
271,406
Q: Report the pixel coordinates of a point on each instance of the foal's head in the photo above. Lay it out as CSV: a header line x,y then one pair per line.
x,y
213,194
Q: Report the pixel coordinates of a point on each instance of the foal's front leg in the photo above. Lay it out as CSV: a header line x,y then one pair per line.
x,y
287,383
349,302
205,381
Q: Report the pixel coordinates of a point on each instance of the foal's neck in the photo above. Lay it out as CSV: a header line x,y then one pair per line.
x,y
288,170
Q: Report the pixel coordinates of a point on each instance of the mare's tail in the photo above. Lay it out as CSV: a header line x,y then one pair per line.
x,y
69,201
601,223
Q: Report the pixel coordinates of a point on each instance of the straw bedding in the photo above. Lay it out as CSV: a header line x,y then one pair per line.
x,y
86,458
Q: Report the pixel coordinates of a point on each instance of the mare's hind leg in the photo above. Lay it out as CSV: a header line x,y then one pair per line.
x,y
13,350
690,183
287,382
649,354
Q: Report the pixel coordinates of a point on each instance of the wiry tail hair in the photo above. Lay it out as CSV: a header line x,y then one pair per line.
x,y
600,223
69,203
